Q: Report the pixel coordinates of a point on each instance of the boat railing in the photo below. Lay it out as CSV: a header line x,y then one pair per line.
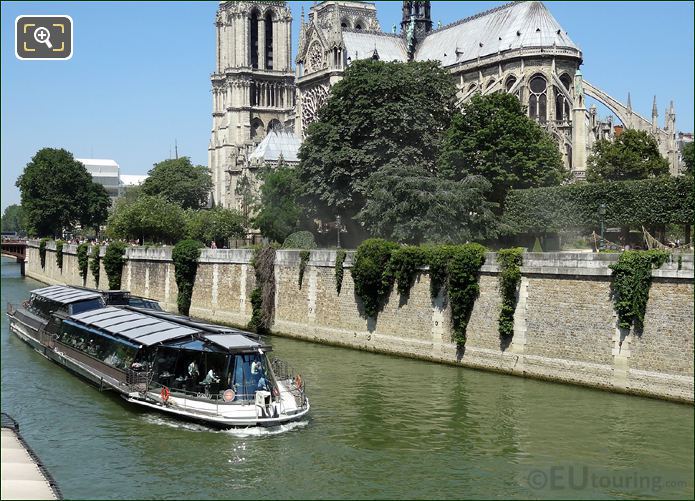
x,y
291,379
90,361
11,309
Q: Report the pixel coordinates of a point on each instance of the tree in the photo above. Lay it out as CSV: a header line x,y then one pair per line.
x,y
379,113
410,205
244,190
632,155
97,211
494,138
13,219
150,219
55,191
689,157
279,214
215,225
179,181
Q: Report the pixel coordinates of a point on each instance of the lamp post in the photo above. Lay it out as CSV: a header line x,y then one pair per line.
x,y
338,227
602,214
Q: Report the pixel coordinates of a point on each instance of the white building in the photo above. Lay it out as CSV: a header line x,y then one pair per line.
x,y
106,172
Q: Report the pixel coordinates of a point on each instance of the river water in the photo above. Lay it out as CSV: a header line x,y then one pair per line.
x,y
380,427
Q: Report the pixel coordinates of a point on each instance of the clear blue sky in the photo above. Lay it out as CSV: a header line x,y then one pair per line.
x,y
139,76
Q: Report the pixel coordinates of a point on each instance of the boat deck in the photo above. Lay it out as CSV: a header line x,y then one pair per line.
x,y
23,475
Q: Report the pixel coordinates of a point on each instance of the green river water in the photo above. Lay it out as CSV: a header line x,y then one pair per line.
x,y
380,427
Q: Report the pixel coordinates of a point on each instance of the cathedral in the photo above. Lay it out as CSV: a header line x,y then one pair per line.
x,y
262,105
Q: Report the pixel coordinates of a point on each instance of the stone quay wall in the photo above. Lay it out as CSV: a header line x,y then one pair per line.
x,y
565,325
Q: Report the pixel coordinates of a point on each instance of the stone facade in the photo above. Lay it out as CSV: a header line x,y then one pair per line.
x,y
565,327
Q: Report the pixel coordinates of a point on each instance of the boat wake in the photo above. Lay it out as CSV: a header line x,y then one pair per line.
x,y
156,419
251,431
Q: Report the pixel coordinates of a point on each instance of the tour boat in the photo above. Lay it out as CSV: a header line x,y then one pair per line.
x,y
159,360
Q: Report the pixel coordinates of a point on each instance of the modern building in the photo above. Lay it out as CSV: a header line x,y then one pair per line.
x,y
106,172
518,48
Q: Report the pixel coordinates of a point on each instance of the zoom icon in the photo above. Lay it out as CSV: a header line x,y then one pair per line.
x,y
43,37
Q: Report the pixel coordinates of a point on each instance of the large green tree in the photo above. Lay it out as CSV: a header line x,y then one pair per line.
x,y
632,155
411,205
380,113
689,157
279,214
215,225
148,219
97,211
179,181
492,137
56,192
13,219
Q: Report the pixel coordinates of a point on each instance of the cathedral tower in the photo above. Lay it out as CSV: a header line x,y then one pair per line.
x,y
252,88
417,13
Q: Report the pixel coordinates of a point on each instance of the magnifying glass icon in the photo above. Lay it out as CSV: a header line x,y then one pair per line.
x,y
42,35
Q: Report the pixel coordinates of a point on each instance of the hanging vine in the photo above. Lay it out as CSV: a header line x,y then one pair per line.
x,y
263,295
83,260
340,256
113,264
59,254
94,264
405,264
632,278
462,287
185,256
42,252
510,261
371,274
303,261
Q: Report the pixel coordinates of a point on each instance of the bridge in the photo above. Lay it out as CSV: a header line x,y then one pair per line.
x,y
16,249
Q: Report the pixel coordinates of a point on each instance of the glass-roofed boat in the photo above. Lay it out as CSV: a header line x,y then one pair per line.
x,y
160,360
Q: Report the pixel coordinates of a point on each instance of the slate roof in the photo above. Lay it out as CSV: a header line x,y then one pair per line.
x,y
276,143
361,45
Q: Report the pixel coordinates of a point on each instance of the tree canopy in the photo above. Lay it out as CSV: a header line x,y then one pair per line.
x,y
215,225
689,157
57,193
149,218
13,219
380,113
97,211
492,137
632,155
279,213
179,181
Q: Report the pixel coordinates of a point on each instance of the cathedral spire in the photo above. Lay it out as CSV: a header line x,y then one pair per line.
x,y
419,12
629,103
655,116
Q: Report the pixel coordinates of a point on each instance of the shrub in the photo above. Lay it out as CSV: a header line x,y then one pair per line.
x,y
94,264
370,273
113,264
263,296
404,265
185,257
510,261
42,252
462,287
59,254
340,256
303,261
83,260
300,240
632,278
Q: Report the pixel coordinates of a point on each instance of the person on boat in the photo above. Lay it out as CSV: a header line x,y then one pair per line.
x,y
210,378
259,375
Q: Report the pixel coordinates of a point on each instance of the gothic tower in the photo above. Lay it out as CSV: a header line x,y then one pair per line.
x,y
252,88
417,15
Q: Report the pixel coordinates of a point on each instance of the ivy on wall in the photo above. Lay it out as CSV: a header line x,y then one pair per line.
x,y
113,264
632,278
94,264
303,261
185,257
371,274
83,260
340,256
510,261
263,295
405,264
59,254
42,252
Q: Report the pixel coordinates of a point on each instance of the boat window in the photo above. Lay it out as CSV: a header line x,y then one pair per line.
x,y
189,370
115,352
251,373
90,304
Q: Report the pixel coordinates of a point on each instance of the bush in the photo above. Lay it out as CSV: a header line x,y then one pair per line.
x,y
405,264
94,264
113,264
300,240
632,278
59,254
185,256
510,261
83,260
42,252
303,261
647,202
370,273
340,256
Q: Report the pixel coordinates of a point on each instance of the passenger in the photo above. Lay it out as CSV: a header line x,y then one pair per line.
x,y
210,378
259,375
193,370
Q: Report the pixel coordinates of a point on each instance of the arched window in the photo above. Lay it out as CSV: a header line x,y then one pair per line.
x,y
471,87
490,83
359,24
253,40
274,125
511,80
257,128
538,96
566,80
345,23
269,40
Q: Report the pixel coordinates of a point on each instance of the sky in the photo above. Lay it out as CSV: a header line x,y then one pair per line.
x,y
139,79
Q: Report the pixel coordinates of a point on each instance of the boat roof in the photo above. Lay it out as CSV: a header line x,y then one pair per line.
x,y
147,329
65,295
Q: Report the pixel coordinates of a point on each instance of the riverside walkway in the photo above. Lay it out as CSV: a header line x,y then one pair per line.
x,y
23,475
